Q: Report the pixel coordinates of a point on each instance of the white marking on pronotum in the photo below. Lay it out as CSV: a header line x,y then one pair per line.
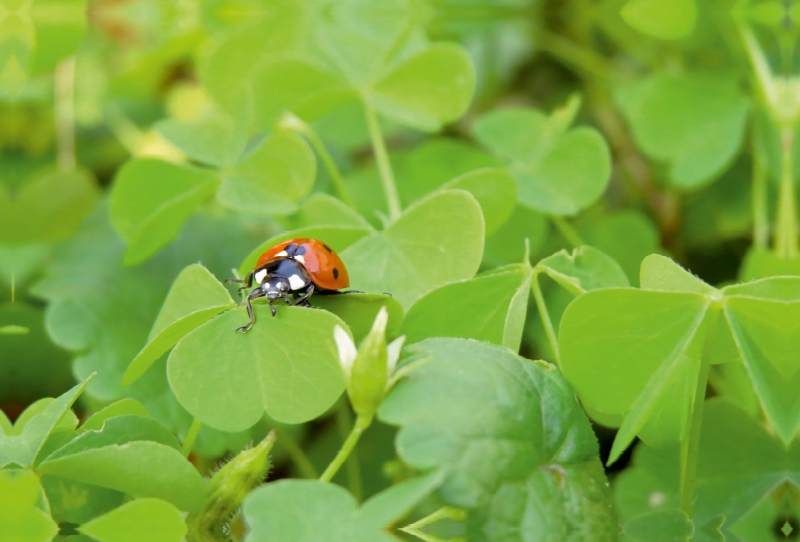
x,y
260,275
300,259
296,282
281,254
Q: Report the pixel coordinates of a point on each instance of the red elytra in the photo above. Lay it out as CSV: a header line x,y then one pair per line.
x,y
324,267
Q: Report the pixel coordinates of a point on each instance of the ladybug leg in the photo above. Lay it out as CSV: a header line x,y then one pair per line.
x,y
258,292
246,283
303,299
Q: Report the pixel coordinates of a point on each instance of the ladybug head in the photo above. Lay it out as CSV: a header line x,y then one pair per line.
x,y
275,287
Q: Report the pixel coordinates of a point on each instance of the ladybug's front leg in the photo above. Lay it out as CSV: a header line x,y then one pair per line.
x,y
303,299
258,292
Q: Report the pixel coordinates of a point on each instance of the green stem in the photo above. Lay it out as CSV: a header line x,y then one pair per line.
x,y
567,231
382,158
361,425
760,215
545,315
191,437
582,58
786,230
690,446
64,113
298,125
344,420
445,512
297,454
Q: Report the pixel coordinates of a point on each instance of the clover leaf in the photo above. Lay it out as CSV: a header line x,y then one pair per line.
x,y
436,241
286,366
23,448
141,519
558,170
195,297
490,307
508,433
272,178
150,201
21,515
298,510
693,123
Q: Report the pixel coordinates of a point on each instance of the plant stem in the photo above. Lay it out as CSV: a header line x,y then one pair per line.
x,y
445,512
382,158
690,446
786,230
760,218
545,315
362,422
64,113
571,53
191,437
298,125
297,454
567,231
344,420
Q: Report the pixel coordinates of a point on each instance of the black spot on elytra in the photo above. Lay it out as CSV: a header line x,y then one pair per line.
x,y
327,248
335,273
290,249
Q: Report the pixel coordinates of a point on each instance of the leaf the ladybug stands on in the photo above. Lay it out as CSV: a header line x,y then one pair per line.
x,y
286,366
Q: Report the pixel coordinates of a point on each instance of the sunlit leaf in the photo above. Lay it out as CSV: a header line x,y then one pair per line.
x,y
142,519
490,307
287,366
21,517
665,19
294,510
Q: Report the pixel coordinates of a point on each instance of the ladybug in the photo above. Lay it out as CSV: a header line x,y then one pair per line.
x,y
293,270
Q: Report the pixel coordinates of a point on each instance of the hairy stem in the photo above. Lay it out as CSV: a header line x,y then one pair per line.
x,y
191,437
298,125
64,113
361,425
786,230
384,166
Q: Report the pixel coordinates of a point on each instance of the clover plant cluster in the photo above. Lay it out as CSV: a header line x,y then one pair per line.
x,y
570,226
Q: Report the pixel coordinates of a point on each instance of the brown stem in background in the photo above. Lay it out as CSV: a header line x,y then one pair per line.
x,y
596,72
663,203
